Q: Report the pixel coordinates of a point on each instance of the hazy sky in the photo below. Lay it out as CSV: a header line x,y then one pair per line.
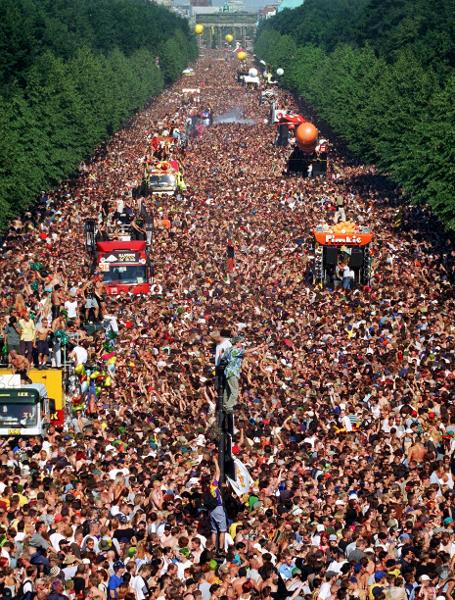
x,y
250,5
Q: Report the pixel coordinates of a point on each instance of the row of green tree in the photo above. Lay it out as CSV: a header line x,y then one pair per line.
x,y
73,73
394,108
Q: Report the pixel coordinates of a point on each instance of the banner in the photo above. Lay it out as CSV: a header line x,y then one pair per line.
x,y
243,480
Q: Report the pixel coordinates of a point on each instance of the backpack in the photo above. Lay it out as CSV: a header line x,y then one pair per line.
x,y
21,595
210,502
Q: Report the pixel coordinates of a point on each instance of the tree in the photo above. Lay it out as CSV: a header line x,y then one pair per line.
x,y
72,73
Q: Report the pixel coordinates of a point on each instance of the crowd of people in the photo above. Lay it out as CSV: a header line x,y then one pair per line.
x,y
343,408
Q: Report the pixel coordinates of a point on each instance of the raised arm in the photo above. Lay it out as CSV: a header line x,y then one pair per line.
x,y
217,467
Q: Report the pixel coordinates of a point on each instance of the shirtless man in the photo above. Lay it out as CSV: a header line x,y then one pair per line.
x,y
42,343
20,365
417,451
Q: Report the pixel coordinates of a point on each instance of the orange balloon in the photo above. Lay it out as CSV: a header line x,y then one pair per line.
x,y
306,134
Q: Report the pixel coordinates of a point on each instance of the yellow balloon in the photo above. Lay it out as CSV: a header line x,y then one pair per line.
x,y
198,29
229,38
242,55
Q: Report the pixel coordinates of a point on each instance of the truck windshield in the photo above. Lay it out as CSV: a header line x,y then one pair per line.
x,y
162,180
125,274
23,414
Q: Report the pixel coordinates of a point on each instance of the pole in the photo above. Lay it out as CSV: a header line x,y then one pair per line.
x,y
220,419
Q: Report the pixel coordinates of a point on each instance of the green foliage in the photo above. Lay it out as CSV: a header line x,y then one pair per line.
x,y
73,73
175,53
28,28
387,87
325,23
426,29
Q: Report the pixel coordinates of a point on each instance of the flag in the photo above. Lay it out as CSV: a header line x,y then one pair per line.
x,y
243,480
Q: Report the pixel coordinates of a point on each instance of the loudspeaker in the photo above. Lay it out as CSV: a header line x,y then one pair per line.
x,y
283,135
356,259
298,162
319,167
331,255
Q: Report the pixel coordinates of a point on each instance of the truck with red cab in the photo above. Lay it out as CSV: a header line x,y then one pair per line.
x,y
122,260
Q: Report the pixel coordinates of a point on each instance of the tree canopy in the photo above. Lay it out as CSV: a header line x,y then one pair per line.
x,y
71,74
384,79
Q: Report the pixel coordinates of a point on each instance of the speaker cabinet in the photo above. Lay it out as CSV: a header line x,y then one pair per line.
x,y
331,255
356,258
283,135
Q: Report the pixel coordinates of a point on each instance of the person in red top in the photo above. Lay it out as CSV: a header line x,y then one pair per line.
x,y
230,255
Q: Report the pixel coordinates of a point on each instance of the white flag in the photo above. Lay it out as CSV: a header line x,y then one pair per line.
x,y
243,480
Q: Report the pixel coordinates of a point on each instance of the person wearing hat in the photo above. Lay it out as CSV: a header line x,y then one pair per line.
x,y
377,586
70,564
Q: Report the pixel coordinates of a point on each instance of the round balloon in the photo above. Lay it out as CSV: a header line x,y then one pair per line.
x,y
306,134
280,72
242,55
253,72
199,29
229,38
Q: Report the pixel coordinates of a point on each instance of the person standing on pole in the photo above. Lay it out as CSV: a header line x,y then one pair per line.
x,y
233,359
223,344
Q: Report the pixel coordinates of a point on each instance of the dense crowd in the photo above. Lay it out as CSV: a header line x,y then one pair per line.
x,y
344,416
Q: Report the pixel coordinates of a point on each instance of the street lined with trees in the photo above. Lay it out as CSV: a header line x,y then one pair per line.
x,y
382,75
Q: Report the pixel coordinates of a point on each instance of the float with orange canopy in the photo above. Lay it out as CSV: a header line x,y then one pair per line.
x,y
339,246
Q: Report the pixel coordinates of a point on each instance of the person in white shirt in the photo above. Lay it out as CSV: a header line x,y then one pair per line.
x,y
80,355
139,583
325,590
71,309
182,566
345,421
223,343
348,277
117,472
55,538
